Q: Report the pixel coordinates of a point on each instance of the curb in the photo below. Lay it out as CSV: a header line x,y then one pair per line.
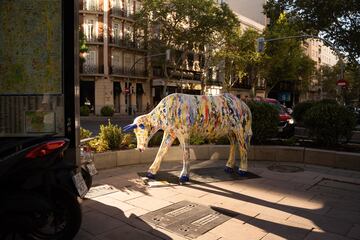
x,y
335,159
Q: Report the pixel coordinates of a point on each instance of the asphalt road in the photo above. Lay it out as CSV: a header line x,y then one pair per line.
x,y
93,123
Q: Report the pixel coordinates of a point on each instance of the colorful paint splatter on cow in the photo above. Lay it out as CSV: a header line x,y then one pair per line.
x,y
180,115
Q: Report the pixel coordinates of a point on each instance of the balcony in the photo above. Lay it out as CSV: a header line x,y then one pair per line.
x,y
94,39
115,70
185,74
120,12
127,43
117,12
90,6
92,69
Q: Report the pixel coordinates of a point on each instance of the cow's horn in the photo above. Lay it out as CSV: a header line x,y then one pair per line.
x,y
129,127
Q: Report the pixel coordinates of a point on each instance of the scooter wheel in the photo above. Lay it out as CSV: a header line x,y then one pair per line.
x,y
64,219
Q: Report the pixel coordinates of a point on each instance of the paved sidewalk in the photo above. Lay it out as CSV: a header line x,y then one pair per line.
x,y
317,203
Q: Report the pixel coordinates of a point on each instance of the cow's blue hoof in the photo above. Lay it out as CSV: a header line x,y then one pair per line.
x,y
228,169
184,179
241,173
150,175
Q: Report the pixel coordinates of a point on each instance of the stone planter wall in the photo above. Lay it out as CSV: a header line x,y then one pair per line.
x,y
335,159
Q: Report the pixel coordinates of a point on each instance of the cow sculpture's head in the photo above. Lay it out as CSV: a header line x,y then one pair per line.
x,y
143,131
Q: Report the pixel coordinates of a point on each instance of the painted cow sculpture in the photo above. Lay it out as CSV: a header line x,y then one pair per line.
x,y
180,115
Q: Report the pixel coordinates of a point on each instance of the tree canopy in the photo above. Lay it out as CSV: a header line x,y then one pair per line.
x,y
286,59
337,20
185,24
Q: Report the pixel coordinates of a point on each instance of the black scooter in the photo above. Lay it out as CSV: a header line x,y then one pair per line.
x,y
39,191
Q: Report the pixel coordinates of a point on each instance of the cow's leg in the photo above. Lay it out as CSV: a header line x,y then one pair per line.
x,y
164,147
185,145
229,168
243,148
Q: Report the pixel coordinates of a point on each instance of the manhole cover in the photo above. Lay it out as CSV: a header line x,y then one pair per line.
x,y
285,168
100,191
200,175
187,219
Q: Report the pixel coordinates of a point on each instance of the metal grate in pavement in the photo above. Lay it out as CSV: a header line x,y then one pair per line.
x,y
186,219
285,168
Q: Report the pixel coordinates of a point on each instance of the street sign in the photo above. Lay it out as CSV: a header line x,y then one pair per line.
x,y
341,83
260,45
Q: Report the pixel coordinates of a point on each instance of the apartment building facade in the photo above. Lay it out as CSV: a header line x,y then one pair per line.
x,y
250,16
114,70
323,56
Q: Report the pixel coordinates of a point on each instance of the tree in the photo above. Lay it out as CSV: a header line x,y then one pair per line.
x,y
286,59
185,25
241,61
336,20
83,48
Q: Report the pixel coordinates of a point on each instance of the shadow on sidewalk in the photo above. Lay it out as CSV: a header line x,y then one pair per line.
x,y
286,230
105,220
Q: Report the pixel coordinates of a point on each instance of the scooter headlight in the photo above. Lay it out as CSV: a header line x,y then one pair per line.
x,y
291,121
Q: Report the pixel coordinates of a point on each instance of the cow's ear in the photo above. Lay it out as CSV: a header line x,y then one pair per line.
x,y
142,126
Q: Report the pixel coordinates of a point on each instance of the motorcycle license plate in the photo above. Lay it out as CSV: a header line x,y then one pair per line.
x,y
92,169
80,184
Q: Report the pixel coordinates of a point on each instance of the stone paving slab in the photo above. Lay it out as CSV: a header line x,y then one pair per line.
x,y
318,203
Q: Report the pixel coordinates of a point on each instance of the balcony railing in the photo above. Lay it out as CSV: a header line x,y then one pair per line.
x,y
122,71
119,12
92,69
91,6
127,43
116,40
94,38
185,74
178,73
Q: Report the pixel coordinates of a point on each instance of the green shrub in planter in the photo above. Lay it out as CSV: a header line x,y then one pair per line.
x,y
300,109
128,139
328,101
222,141
156,139
84,133
265,120
109,138
84,111
107,111
329,123
197,139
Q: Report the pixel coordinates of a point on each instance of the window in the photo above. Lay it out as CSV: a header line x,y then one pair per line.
x,y
90,58
91,5
128,62
130,7
140,65
89,29
117,63
117,33
118,4
90,65
129,33
138,6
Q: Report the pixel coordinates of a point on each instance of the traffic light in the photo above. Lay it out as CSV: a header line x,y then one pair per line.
x,y
260,45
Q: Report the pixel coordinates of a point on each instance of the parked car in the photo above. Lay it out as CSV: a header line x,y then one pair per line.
x,y
286,126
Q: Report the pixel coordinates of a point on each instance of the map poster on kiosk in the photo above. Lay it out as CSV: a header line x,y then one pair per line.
x,y
31,68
